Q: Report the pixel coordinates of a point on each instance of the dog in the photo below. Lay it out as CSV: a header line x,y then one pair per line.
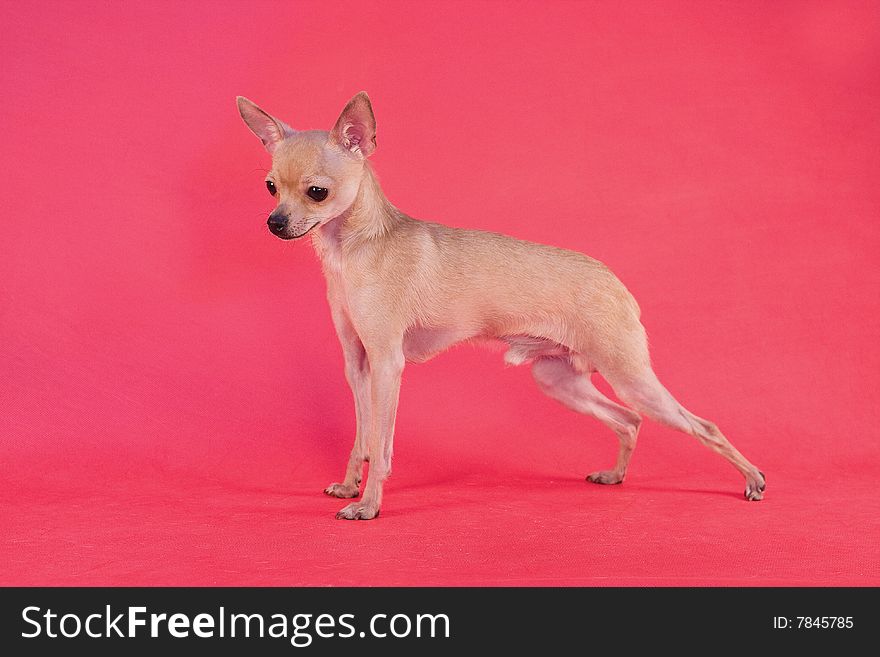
x,y
403,290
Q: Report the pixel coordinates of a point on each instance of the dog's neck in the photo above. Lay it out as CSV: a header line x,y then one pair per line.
x,y
370,217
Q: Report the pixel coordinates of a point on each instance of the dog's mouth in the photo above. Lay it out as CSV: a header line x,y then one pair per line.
x,y
284,235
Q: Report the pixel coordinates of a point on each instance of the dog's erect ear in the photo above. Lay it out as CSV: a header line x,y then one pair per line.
x,y
355,130
269,129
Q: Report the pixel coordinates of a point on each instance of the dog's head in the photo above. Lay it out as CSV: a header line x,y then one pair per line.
x,y
315,174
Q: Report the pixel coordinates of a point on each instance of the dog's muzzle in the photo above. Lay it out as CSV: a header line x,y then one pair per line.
x,y
277,223
280,227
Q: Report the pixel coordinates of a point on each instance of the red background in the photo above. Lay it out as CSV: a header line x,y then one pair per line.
x,y
173,399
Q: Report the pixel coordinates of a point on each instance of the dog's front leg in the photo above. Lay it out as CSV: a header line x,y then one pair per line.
x,y
386,367
357,373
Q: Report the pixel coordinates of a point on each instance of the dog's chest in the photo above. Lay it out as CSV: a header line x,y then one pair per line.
x,y
335,265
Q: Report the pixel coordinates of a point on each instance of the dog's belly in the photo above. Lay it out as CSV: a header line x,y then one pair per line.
x,y
421,343
524,348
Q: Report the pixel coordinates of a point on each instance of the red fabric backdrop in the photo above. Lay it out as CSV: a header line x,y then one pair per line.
x,y
173,399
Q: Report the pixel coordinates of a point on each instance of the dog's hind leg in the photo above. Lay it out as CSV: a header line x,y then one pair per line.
x,y
558,379
646,394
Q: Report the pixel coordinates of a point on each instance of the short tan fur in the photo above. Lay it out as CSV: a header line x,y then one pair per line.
x,y
405,290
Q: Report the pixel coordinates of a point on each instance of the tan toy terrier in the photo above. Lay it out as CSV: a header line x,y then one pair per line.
x,y
404,290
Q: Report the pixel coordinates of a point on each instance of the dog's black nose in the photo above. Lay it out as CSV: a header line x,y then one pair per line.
x,y
277,222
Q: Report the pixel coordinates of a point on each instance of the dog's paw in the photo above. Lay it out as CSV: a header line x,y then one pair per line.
x,y
755,487
342,490
358,511
605,477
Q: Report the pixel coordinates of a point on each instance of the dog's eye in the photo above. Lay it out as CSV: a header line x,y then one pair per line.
x,y
271,187
317,193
